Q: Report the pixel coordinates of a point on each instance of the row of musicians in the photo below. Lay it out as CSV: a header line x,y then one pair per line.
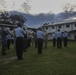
x,y
58,35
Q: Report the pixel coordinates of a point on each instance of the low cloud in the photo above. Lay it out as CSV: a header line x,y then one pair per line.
x,y
26,7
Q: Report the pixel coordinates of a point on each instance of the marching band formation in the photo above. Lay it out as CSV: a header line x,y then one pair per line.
x,y
22,40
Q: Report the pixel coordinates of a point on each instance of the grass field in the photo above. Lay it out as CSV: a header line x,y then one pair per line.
x,y
53,61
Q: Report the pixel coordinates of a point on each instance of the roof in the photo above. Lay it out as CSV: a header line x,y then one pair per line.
x,y
66,21
31,28
7,25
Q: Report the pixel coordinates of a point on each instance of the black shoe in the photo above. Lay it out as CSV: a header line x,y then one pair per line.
x,y
3,53
20,59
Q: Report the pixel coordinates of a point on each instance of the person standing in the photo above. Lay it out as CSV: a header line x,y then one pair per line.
x,y
45,39
40,37
35,39
32,39
29,40
19,33
59,39
54,39
3,40
12,39
8,36
65,36
25,40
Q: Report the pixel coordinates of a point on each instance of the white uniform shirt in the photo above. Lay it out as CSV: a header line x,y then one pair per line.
x,y
40,34
65,34
19,32
8,36
53,35
58,34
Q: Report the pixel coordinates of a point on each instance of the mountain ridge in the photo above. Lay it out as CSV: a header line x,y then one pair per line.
x,y
38,20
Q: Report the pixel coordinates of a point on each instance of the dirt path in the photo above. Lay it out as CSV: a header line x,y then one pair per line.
x,y
7,60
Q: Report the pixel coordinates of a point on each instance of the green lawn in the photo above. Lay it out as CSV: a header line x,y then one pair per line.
x,y
53,61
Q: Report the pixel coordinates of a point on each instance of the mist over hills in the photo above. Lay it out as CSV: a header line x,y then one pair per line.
x,y
37,20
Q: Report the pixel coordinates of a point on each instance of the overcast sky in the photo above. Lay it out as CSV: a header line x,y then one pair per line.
x,y
36,6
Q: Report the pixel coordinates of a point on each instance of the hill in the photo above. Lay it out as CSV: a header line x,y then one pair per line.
x,y
37,20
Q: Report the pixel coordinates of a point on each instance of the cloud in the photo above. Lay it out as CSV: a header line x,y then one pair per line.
x,y
2,4
17,5
26,7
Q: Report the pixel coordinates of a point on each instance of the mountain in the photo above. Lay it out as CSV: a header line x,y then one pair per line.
x,y
38,20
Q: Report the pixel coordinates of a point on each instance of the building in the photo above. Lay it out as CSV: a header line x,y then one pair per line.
x,y
31,30
68,25
8,26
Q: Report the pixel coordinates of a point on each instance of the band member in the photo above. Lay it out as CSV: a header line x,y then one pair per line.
x,y
54,39
65,36
19,32
40,36
45,39
59,39
8,40
3,40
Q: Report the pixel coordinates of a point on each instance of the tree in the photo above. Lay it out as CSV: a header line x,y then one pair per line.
x,y
4,16
14,19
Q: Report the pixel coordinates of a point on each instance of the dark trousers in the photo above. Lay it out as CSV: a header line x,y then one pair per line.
x,y
8,44
35,42
40,45
25,44
54,42
3,42
28,42
59,42
45,42
65,41
12,41
19,47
